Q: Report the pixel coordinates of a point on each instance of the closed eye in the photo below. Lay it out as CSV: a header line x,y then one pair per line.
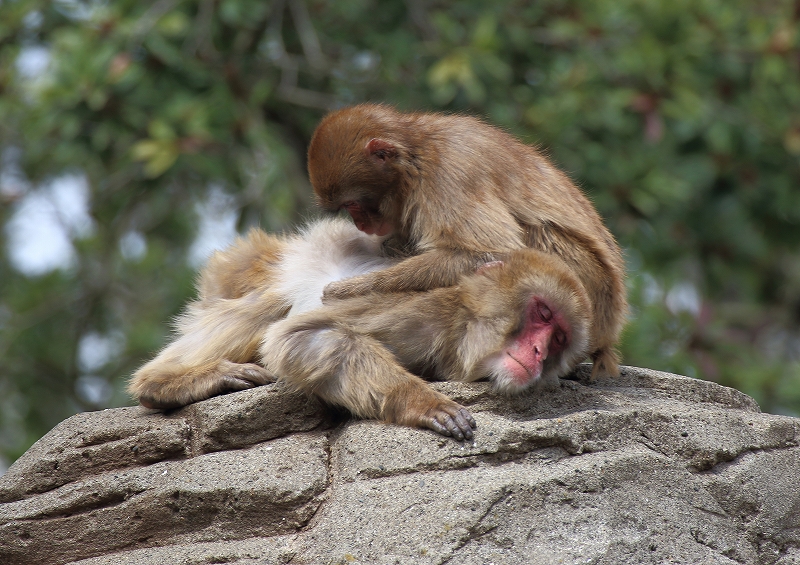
x,y
545,312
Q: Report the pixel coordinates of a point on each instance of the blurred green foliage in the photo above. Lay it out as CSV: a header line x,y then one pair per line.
x,y
680,119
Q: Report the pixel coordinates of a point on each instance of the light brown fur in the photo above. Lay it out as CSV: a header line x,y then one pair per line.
x,y
218,334
461,191
358,353
241,292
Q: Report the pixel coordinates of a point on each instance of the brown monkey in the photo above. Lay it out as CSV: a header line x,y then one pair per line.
x,y
458,190
518,322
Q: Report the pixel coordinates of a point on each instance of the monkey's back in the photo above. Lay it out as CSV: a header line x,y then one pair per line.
x,y
458,183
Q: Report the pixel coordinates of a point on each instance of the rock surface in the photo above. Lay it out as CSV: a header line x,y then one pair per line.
x,y
647,468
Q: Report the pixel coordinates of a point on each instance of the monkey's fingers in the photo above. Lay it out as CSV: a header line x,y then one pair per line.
x,y
414,403
606,363
464,413
453,421
344,289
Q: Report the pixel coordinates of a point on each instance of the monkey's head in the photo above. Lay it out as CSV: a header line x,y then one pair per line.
x,y
356,162
533,315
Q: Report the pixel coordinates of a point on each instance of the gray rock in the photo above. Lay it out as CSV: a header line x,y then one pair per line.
x,y
646,468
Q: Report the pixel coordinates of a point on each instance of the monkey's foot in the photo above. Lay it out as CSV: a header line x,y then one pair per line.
x,y
450,420
179,387
241,376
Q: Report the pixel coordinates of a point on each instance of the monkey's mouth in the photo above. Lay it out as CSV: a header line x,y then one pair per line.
x,y
371,223
532,376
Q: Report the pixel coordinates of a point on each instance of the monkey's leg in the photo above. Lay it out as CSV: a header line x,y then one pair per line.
x,y
433,269
358,373
217,340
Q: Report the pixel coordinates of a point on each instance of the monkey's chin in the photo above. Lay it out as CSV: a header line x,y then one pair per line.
x,y
508,384
509,376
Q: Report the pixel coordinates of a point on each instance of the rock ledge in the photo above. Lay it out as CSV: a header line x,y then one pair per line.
x,y
646,468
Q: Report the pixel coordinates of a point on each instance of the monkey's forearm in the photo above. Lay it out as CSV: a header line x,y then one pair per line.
x,y
433,269
357,372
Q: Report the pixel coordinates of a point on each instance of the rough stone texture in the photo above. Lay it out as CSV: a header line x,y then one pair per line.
x,y
647,468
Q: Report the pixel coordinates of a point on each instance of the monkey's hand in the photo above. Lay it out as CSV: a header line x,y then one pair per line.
x,y
606,364
451,419
355,286
414,403
432,269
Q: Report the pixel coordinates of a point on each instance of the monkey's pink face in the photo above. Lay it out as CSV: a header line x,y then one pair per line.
x,y
544,333
371,223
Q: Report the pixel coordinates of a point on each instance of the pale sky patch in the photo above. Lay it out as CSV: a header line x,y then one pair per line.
x,y
684,297
217,215
95,350
45,221
133,246
32,61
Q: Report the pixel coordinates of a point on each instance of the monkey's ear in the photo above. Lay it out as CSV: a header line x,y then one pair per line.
x,y
486,267
380,149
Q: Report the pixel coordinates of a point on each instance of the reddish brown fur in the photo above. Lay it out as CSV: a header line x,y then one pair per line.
x,y
460,190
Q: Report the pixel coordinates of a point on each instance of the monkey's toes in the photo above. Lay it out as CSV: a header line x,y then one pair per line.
x,y
247,375
152,403
230,383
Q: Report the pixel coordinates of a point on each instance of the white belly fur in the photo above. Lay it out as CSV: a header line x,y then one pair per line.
x,y
325,251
